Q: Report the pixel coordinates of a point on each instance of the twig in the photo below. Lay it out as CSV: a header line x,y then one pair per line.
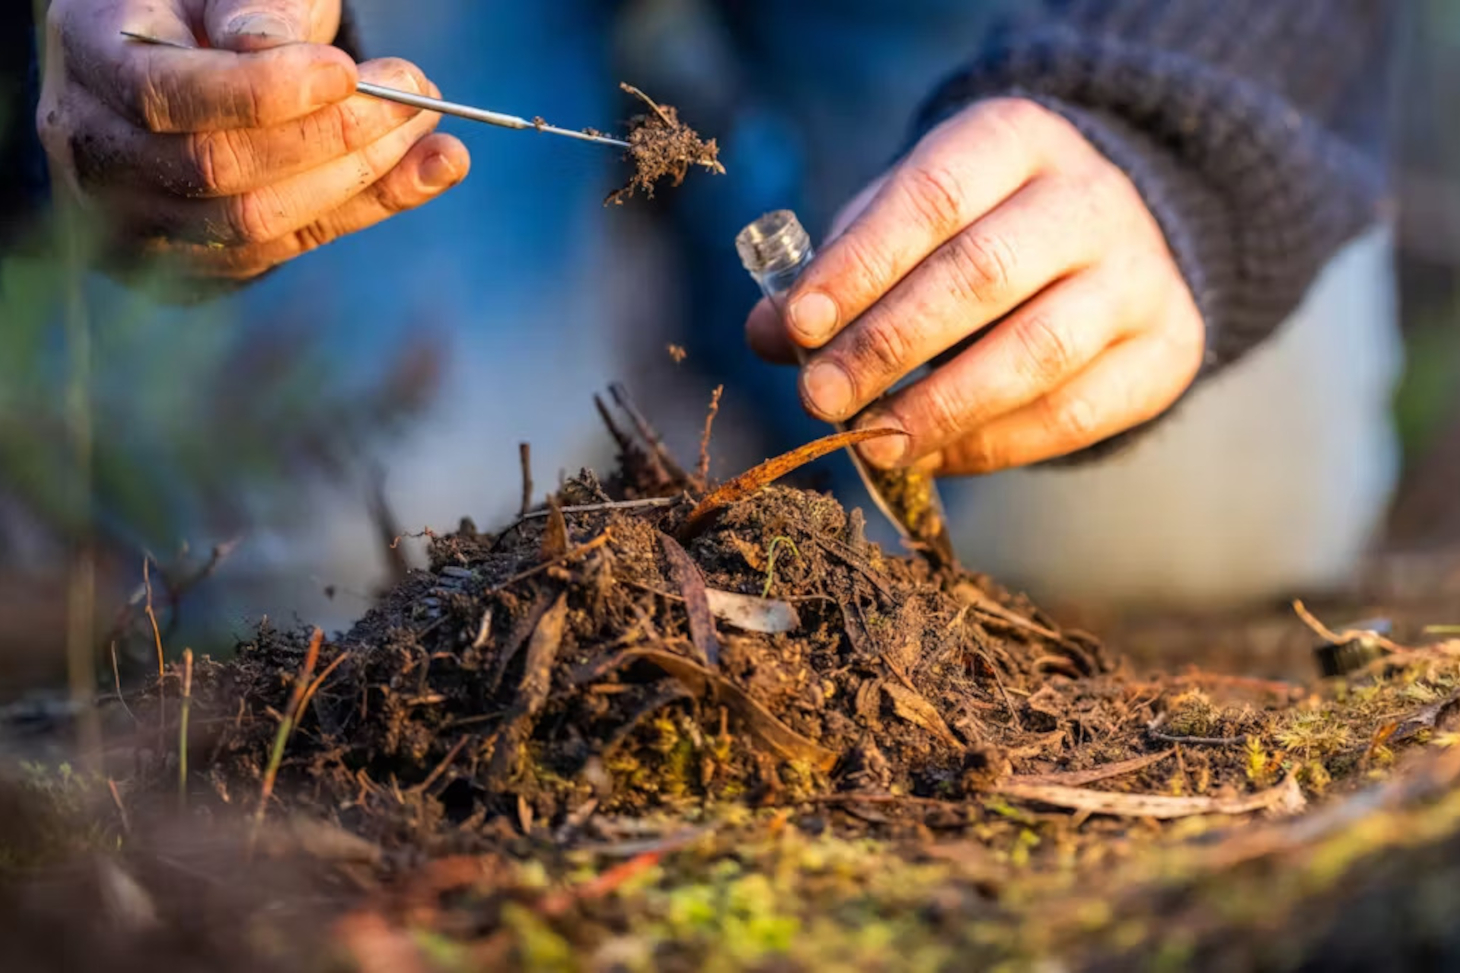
x,y
649,434
176,592
702,470
286,727
566,556
117,681
648,101
1347,635
387,527
524,454
111,785
318,681
1198,741
440,768
152,615
182,742
590,508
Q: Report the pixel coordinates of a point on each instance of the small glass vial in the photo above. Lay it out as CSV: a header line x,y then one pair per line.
x,y
775,249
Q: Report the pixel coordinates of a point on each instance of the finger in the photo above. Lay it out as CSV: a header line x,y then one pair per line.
x,y
957,173
164,89
977,277
274,211
253,25
1133,382
109,151
1039,348
765,332
765,328
432,167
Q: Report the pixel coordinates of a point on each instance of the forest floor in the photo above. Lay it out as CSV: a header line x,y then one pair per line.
x,y
657,724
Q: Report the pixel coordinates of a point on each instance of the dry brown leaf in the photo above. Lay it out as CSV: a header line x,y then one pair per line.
x,y
537,675
912,707
1427,718
768,472
696,600
1079,778
774,735
752,614
976,599
1285,798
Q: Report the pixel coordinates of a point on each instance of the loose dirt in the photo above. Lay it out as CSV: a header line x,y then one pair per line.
x,y
661,146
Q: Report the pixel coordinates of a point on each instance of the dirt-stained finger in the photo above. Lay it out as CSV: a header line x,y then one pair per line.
x,y
164,89
433,166
112,153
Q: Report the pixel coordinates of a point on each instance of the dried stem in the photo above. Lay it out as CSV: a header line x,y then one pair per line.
x,y
702,471
524,452
286,728
182,741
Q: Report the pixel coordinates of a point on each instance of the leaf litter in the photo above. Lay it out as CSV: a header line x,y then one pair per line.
x,y
543,746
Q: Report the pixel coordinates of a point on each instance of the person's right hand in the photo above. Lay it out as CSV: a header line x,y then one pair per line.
x,y
245,153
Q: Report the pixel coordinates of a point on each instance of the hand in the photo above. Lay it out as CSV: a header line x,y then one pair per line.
x,y
230,160
1002,218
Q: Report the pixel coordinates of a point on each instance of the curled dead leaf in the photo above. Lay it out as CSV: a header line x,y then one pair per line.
x,y
1285,798
768,472
696,600
751,614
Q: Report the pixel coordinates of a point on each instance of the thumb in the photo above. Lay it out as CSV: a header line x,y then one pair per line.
x,y
256,25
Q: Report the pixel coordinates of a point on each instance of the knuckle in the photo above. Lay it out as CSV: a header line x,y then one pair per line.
x,y
869,268
216,164
879,346
980,453
982,266
944,409
1046,351
1071,420
253,218
403,74
937,196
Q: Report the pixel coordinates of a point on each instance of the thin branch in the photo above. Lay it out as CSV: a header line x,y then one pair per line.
x,y
524,452
589,508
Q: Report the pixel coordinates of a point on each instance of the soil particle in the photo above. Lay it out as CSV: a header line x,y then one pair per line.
x,y
661,146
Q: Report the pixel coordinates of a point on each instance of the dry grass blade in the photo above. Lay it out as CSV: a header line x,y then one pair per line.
x,y
537,674
1285,798
702,469
1079,778
696,600
769,731
286,728
182,733
752,614
771,470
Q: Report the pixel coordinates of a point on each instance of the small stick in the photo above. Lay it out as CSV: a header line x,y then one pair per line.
x,y
117,680
182,743
111,785
655,442
589,508
318,681
1348,635
157,638
648,101
566,556
440,768
702,471
1198,741
524,453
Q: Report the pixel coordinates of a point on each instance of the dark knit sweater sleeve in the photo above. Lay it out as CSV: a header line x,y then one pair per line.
x,y
1255,130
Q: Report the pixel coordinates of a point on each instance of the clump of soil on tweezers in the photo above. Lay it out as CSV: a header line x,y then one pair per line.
x,y
661,146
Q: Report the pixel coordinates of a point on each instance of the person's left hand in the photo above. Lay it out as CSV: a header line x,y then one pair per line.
x,y
1004,216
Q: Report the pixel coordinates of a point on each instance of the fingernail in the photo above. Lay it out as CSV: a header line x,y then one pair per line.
x,y
888,451
813,316
329,84
261,25
827,388
437,172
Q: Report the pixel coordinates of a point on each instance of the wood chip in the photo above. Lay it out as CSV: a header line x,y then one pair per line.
x,y
555,535
1285,798
766,615
696,600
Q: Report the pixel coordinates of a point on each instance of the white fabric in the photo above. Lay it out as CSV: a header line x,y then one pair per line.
x,y
1270,479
